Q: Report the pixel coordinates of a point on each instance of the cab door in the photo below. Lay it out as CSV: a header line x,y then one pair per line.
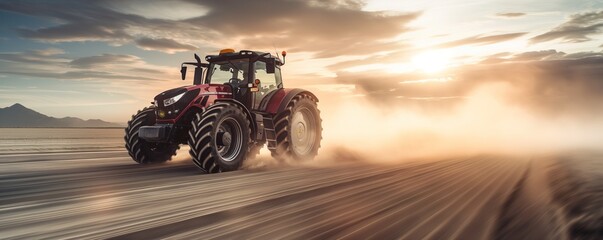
x,y
265,82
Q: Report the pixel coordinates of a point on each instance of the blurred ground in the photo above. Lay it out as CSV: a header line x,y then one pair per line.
x,y
577,186
66,186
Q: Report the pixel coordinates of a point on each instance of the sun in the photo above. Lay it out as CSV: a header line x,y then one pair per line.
x,y
431,61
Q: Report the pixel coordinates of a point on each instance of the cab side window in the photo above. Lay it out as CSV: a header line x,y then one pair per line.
x,y
268,81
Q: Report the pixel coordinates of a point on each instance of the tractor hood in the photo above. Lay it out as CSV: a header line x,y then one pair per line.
x,y
171,104
172,96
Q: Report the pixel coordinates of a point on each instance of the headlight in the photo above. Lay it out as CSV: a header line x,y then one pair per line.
x,y
172,100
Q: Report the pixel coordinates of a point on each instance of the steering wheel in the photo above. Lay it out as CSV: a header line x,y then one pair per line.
x,y
234,81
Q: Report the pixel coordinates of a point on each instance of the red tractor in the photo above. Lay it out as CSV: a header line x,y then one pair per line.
x,y
236,104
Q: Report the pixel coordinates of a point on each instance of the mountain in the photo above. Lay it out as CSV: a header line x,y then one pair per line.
x,y
18,115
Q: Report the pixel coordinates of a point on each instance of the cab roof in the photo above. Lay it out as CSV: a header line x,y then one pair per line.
x,y
228,54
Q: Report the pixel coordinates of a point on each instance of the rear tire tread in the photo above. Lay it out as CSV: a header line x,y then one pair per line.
x,y
283,150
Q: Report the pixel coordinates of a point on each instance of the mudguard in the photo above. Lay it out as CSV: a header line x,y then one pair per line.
x,y
281,98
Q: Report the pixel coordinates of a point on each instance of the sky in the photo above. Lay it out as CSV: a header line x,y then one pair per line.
x,y
104,59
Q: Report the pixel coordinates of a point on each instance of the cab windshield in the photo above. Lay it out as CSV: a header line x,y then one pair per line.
x,y
233,71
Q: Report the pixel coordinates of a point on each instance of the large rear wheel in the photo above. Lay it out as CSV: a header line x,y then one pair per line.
x,y
141,151
298,130
219,138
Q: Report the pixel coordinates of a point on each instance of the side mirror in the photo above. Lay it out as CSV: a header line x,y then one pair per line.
x,y
270,66
183,72
198,75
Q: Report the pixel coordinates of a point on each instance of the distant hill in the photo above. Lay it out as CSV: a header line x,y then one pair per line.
x,y
18,115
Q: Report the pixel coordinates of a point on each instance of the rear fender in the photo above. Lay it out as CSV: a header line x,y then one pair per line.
x,y
279,100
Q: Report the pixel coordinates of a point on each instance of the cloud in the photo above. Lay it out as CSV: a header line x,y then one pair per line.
x,y
404,53
577,29
158,9
511,14
99,76
105,68
104,60
580,55
552,83
52,63
164,45
47,56
74,21
326,28
338,4
484,39
538,55
74,32
550,54
48,51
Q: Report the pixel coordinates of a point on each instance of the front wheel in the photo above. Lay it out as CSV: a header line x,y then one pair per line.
x,y
298,130
219,138
141,151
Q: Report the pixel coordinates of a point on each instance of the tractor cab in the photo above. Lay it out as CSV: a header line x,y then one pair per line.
x,y
250,75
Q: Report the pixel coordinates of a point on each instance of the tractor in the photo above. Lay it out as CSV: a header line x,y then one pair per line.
x,y
236,105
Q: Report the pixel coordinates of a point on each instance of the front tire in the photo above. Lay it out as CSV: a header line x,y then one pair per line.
x,y
298,130
141,151
219,138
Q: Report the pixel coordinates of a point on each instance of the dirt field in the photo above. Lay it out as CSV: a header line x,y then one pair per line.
x,y
81,184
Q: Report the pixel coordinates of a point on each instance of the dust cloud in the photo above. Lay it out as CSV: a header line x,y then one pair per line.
x,y
490,119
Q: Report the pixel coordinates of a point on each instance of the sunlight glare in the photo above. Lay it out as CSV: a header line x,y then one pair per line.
x,y
431,61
